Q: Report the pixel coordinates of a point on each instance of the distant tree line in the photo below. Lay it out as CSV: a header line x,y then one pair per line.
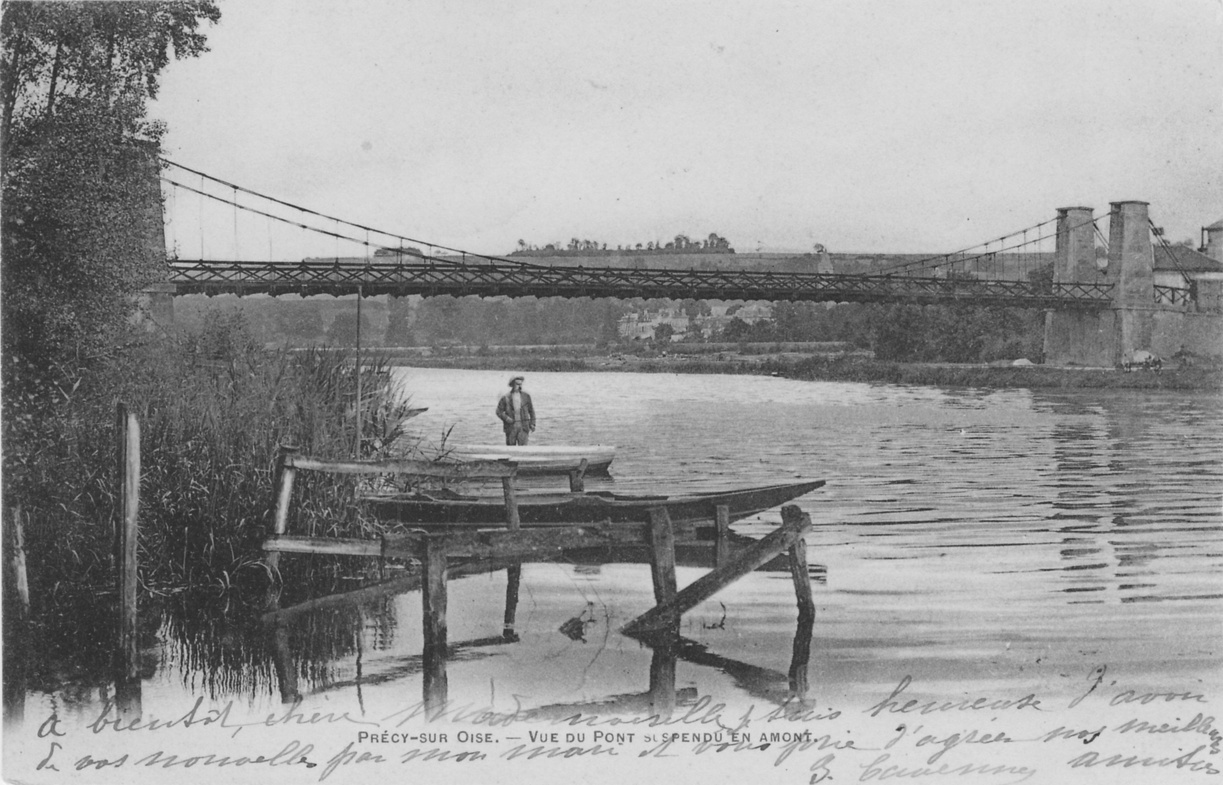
x,y
682,243
431,321
900,332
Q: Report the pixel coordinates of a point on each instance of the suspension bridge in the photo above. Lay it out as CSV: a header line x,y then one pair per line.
x,y
375,262
1052,265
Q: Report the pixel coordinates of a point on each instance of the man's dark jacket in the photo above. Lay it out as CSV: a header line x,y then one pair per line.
x,y
505,411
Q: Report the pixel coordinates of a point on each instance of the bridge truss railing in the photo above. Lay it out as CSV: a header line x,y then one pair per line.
x,y
1173,295
493,279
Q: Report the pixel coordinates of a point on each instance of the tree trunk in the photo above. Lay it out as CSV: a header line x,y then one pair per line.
x,y
59,48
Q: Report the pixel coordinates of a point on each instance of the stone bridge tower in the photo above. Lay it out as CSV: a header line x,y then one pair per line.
x,y
1137,320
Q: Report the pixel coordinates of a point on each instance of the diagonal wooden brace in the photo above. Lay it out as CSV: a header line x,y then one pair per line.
x,y
795,524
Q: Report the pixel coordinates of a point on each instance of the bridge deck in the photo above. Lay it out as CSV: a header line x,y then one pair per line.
x,y
491,279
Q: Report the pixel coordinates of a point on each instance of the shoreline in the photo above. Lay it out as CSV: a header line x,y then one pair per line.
x,y
843,368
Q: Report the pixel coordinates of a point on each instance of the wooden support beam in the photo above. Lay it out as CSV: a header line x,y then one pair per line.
x,y
709,584
433,602
282,484
662,555
399,585
511,503
722,519
798,567
283,480
577,483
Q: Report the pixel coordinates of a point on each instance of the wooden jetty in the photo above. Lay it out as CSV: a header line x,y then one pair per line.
x,y
441,551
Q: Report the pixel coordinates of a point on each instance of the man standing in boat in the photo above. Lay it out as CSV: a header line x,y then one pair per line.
x,y
516,413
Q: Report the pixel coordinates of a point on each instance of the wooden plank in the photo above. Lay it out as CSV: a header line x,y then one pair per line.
x,y
710,583
662,555
521,544
482,544
454,471
722,521
331,546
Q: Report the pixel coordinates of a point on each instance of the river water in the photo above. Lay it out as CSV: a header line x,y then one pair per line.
x,y
976,542
964,533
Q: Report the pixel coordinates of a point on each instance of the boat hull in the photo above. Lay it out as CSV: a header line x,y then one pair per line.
x,y
554,509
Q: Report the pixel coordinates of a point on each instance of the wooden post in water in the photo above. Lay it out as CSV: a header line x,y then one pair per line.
x,y
806,604
722,543
282,662
513,579
791,515
126,534
513,574
800,656
15,554
433,602
16,618
662,672
127,655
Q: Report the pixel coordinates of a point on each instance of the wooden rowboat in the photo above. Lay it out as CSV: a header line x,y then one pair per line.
x,y
561,509
549,459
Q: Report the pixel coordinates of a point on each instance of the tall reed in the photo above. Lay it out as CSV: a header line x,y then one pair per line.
x,y
214,407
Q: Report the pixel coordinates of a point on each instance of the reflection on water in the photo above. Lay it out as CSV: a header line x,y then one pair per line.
x,y
965,536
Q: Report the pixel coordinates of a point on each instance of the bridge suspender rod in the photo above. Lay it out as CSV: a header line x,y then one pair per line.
x,y
966,259
307,227
944,259
308,211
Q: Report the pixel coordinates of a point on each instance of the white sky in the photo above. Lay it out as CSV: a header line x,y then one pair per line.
x,y
918,126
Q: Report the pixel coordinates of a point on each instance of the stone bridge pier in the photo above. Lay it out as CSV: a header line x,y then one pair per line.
x,y
1135,321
